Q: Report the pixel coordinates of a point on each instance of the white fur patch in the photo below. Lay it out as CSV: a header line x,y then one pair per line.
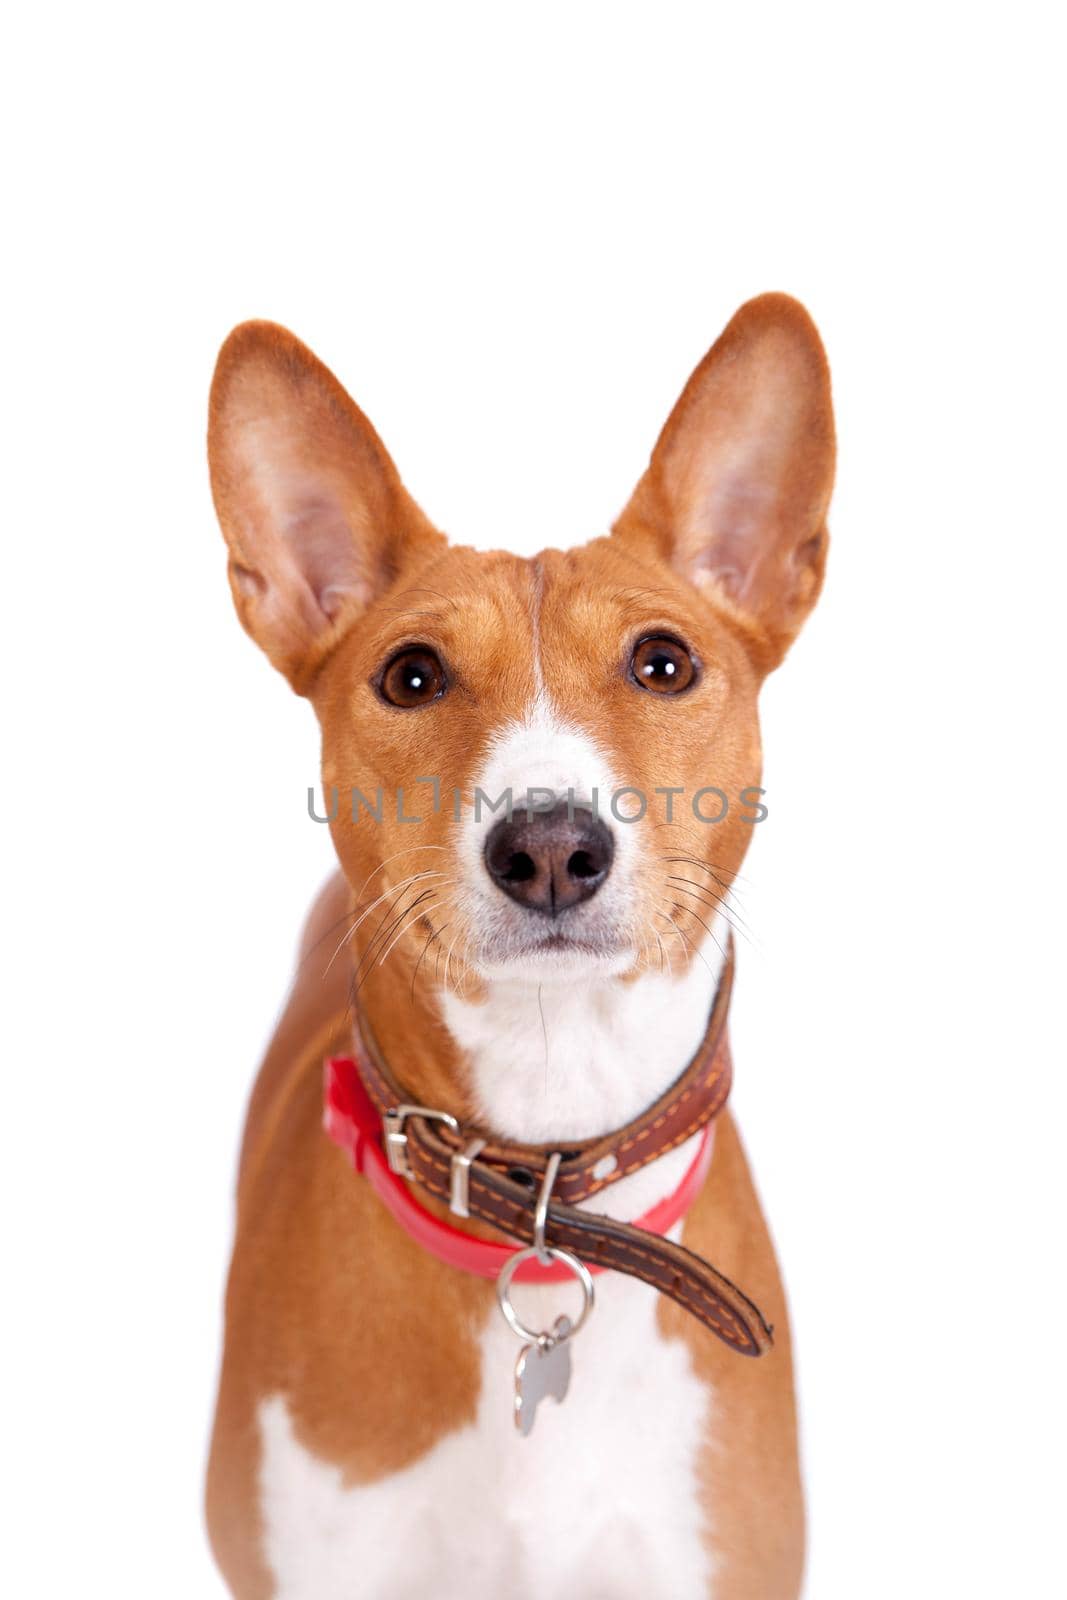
x,y
573,1061
573,1053
602,1499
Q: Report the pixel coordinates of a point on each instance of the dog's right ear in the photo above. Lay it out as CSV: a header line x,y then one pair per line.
x,y
312,508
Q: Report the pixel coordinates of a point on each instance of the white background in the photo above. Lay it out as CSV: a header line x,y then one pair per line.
x,y
512,231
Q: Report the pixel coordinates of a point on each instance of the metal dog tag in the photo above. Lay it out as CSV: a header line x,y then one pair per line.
x,y
543,1367
544,1364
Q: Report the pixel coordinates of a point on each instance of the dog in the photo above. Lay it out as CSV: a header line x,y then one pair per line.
x,y
518,983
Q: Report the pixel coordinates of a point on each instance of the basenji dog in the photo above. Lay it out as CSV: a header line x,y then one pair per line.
x,y
503,1315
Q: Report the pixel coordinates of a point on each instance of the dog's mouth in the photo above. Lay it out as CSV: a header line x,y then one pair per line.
x,y
566,941
555,951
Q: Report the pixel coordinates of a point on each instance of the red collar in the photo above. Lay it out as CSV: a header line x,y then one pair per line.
x,y
353,1123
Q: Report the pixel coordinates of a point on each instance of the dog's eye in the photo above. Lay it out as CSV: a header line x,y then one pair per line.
x,y
414,677
662,665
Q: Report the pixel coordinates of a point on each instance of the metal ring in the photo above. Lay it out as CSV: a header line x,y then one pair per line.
x,y
541,1214
508,1271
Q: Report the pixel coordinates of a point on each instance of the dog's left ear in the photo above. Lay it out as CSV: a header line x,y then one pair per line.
x,y
739,484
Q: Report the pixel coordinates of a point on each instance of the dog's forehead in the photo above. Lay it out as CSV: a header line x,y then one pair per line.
x,y
603,587
478,592
549,601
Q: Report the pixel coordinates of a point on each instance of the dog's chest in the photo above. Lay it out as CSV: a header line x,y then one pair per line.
x,y
602,1498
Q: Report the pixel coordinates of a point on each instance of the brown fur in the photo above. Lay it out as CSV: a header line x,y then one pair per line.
x,y
333,568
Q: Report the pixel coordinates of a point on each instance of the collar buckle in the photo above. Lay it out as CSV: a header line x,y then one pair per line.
x,y
396,1140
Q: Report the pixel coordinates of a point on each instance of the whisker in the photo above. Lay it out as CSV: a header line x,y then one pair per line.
x,y
355,909
435,934
678,931
409,925
688,942
712,868
407,850
418,917
448,969
663,956
688,911
367,960
729,889
714,902
396,889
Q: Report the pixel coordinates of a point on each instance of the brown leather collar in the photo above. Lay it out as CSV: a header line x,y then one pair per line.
x,y
501,1182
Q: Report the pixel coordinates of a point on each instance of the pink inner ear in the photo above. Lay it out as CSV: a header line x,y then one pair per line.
x,y
321,544
728,538
301,528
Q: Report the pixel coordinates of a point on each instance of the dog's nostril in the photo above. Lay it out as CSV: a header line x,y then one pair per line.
x,y
582,865
520,869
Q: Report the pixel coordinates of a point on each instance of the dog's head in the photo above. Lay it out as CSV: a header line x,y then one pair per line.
x,y
577,733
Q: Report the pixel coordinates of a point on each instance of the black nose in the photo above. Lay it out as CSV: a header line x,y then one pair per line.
x,y
549,860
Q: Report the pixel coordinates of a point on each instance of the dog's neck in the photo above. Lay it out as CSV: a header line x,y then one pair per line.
x,y
573,1061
